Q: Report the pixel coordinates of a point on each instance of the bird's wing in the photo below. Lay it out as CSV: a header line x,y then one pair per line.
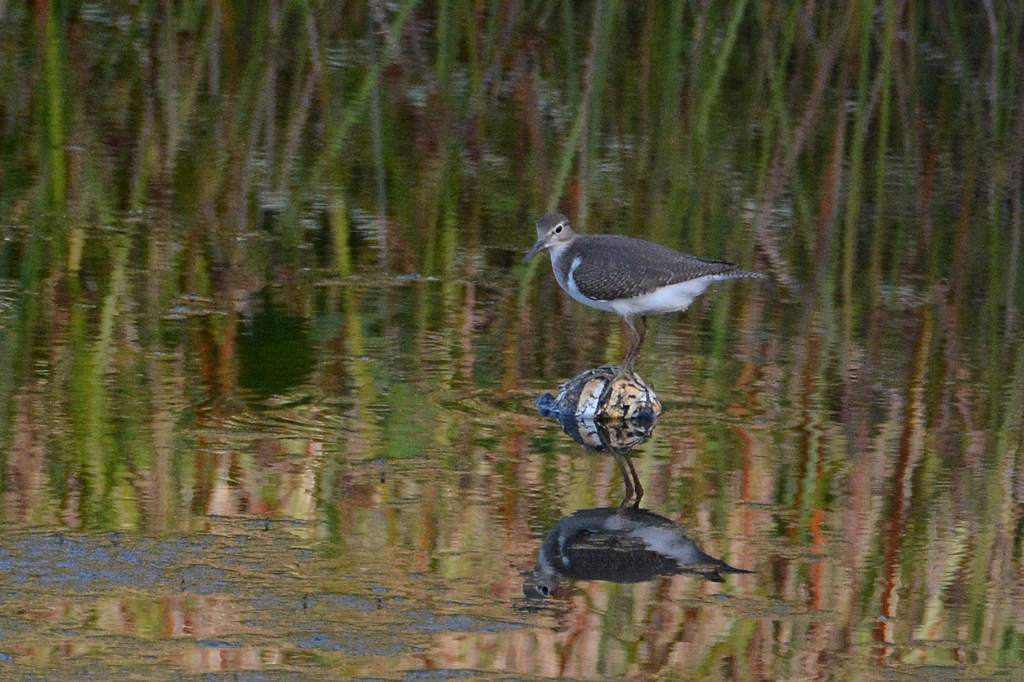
x,y
622,267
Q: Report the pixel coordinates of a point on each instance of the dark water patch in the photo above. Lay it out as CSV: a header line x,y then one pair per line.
x,y
348,601
426,621
446,675
252,676
274,351
354,645
204,580
216,644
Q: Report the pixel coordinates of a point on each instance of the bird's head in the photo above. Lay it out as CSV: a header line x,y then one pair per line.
x,y
552,230
540,585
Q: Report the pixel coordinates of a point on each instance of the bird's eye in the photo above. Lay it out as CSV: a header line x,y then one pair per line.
x,y
558,230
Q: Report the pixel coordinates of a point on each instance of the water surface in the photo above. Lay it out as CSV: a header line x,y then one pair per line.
x,y
269,358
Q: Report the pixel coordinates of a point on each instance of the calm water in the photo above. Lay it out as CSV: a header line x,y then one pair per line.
x,y
268,355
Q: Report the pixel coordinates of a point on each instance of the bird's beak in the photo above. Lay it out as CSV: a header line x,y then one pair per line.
x,y
537,248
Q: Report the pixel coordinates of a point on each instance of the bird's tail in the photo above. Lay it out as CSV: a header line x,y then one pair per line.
x,y
718,568
742,274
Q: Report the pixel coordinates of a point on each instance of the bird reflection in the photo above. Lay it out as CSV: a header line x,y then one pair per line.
x,y
618,544
617,438
623,544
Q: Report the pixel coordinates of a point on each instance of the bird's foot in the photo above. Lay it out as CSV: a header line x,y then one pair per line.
x,y
623,372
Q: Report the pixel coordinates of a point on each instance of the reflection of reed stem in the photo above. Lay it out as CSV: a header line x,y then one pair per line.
x,y
55,109
882,139
862,117
343,123
597,45
787,153
378,150
604,20
711,89
300,114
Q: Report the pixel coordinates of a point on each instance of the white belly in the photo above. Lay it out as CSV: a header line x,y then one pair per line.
x,y
670,299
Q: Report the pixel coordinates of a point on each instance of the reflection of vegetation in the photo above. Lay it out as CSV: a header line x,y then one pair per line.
x,y
161,164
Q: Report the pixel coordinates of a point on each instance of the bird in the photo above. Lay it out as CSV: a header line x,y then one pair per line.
x,y
633,278
618,544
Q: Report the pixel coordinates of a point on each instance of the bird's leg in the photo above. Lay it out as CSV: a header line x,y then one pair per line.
x,y
638,490
627,480
626,368
636,340
634,491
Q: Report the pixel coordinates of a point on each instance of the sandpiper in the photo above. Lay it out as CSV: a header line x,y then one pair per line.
x,y
623,545
631,277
